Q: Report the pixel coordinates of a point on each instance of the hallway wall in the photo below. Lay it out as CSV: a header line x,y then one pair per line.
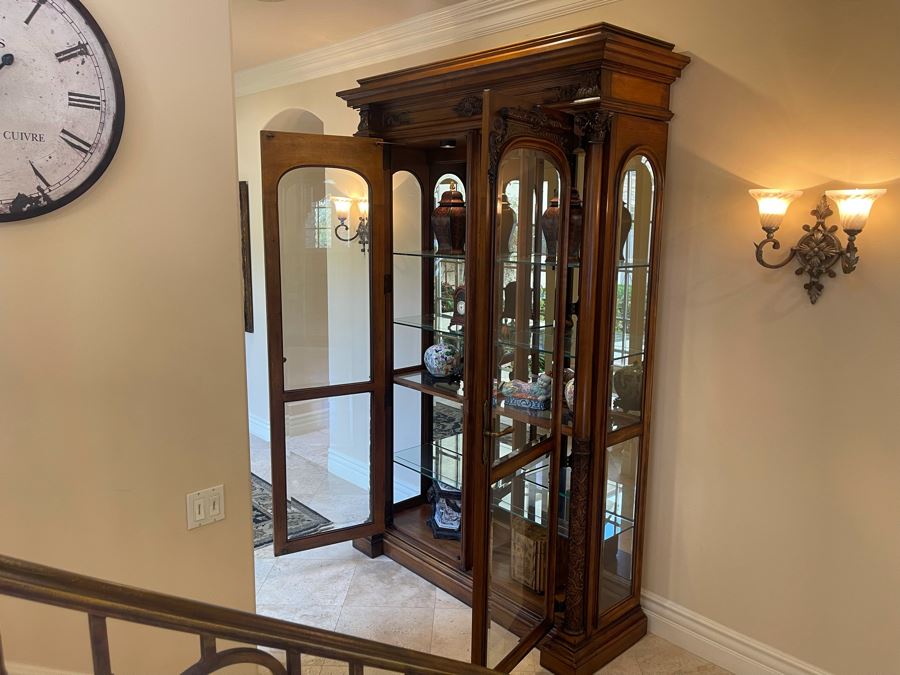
x,y
121,374
775,486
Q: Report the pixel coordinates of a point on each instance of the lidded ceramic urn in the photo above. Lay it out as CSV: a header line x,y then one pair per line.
x,y
448,222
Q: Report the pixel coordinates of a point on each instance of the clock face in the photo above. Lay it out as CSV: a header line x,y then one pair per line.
x,y
461,307
61,105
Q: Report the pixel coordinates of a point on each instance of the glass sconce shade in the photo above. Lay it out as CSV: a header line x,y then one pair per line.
x,y
342,207
364,208
854,207
773,204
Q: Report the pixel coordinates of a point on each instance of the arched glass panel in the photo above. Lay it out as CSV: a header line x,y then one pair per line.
x,y
635,235
324,280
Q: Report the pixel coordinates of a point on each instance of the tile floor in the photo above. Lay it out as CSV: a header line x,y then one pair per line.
x,y
309,479
338,588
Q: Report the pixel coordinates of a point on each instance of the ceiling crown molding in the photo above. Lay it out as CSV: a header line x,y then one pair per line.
x,y
463,21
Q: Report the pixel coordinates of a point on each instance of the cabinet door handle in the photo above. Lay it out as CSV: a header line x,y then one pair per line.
x,y
498,434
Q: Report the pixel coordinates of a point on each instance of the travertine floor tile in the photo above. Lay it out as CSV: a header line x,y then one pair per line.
x,y
301,582
410,628
452,633
624,665
385,583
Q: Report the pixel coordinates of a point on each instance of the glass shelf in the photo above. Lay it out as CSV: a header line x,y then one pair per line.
x,y
446,464
536,261
620,420
540,339
434,323
421,380
537,418
433,254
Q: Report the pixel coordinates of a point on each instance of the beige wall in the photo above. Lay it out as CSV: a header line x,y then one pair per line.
x,y
121,376
774,490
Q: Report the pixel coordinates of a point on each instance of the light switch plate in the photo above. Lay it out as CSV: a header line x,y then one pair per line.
x,y
205,506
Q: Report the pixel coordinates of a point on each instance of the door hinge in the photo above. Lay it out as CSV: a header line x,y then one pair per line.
x,y
388,284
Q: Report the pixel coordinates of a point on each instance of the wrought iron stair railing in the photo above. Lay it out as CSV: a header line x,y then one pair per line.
x,y
102,600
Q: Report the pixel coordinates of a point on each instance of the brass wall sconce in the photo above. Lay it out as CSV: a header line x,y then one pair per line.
x,y
342,208
819,250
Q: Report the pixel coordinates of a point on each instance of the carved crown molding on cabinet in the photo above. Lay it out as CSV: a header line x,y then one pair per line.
x,y
463,21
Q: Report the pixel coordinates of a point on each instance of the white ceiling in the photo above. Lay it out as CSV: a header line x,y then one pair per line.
x,y
265,31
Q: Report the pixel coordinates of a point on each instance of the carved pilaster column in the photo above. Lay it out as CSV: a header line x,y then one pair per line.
x,y
578,519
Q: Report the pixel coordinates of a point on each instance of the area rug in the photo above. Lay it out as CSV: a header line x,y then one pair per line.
x,y
447,421
302,520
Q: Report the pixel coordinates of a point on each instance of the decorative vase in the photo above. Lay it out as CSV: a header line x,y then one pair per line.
x,y
629,385
576,226
507,223
443,360
448,222
550,228
570,394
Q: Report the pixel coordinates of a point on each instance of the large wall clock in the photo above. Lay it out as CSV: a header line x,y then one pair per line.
x,y
62,105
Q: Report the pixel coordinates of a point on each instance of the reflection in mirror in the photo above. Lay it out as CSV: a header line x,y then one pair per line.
x,y
324,281
634,243
617,546
328,444
525,300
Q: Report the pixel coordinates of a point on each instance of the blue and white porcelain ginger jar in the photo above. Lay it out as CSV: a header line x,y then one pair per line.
x,y
443,360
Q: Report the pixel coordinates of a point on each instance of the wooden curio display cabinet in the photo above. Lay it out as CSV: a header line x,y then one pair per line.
x,y
480,352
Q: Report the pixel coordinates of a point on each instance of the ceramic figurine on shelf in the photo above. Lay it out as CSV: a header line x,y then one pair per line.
x,y
448,222
443,360
528,395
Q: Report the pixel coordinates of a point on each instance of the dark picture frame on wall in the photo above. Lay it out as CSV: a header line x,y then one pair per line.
x,y
244,192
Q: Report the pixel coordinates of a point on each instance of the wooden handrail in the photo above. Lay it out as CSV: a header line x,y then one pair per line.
x,y
101,600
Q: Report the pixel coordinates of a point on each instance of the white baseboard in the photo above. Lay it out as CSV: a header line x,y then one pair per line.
x,y
350,469
307,422
718,644
22,669
296,425
260,428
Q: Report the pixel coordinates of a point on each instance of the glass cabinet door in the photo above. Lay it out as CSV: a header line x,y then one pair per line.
x,y
528,349
637,197
325,237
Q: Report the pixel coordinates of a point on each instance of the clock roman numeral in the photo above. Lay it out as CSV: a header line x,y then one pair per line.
x,y
81,49
39,174
75,142
88,101
37,5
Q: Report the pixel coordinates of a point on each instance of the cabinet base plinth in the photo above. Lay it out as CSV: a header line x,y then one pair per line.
x,y
562,655
372,546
